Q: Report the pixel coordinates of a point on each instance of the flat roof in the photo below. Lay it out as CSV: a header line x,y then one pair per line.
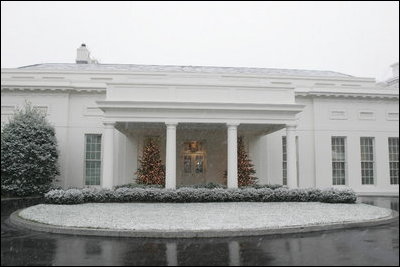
x,y
175,68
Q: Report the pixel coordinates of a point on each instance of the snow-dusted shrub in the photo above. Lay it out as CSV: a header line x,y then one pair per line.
x,y
70,196
133,185
270,186
267,195
90,194
314,194
210,185
188,195
28,154
297,195
344,195
55,196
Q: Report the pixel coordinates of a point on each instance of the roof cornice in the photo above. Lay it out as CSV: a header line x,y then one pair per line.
x,y
53,89
392,95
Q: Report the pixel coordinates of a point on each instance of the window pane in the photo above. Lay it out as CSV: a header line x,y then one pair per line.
x,y
284,161
187,163
338,160
93,159
394,160
367,160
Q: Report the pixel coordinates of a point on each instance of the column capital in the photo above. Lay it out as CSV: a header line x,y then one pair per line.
x,y
109,124
291,126
232,124
171,123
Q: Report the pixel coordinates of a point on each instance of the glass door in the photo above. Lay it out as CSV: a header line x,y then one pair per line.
x,y
194,163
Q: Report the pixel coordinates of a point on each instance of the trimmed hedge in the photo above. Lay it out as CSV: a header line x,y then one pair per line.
x,y
188,195
133,185
207,185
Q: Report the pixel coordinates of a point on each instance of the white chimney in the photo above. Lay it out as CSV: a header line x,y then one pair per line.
x,y
395,69
83,56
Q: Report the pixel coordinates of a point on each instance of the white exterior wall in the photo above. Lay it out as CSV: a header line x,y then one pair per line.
x,y
315,129
353,127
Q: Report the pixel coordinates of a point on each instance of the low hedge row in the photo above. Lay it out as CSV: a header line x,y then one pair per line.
x,y
207,185
187,195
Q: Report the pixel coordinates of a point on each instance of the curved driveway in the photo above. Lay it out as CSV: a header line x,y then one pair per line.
x,y
377,245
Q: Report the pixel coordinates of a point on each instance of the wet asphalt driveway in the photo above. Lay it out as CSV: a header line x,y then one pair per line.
x,y
361,246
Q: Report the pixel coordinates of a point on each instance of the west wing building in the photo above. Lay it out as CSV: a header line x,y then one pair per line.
x,y
302,128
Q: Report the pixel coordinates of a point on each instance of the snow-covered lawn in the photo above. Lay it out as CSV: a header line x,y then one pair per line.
x,y
200,216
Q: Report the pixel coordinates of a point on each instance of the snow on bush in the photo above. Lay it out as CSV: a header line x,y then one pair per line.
x,y
28,154
189,195
210,185
135,185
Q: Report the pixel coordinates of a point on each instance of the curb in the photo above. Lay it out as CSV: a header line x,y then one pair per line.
x,y
20,198
16,220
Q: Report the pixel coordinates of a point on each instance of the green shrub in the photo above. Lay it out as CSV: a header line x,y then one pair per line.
x,y
187,195
207,185
28,154
133,185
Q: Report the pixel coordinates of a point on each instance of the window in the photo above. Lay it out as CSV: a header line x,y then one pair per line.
x,y
394,159
367,160
338,160
284,161
92,159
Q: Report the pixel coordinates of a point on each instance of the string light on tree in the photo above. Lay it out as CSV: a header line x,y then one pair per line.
x,y
151,171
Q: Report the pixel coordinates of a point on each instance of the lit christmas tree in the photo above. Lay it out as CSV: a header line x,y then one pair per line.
x,y
151,171
246,169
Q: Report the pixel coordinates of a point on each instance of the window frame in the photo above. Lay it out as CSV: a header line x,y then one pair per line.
x,y
393,161
85,159
344,161
364,180
284,160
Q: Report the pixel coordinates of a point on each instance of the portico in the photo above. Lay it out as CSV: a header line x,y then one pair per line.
x,y
230,120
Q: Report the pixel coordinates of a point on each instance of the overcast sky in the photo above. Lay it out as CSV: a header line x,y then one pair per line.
x,y
356,38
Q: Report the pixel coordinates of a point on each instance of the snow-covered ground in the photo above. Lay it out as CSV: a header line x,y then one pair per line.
x,y
200,216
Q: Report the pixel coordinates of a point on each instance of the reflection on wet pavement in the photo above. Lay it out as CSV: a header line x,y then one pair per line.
x,y
361,246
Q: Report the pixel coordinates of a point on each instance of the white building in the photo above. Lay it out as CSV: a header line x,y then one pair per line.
x,y
301,127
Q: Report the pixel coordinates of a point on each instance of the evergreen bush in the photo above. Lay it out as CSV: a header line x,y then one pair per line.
x,y
188,195
28,154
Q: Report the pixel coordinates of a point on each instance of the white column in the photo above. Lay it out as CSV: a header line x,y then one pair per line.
x,y
172,254
170,162
234,253
291,156
108,155
232,156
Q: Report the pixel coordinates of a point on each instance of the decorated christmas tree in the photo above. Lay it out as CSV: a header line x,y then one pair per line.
x,y
151,170
246,168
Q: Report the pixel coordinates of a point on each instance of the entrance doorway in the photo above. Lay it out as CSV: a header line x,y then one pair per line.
x,y
194,162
